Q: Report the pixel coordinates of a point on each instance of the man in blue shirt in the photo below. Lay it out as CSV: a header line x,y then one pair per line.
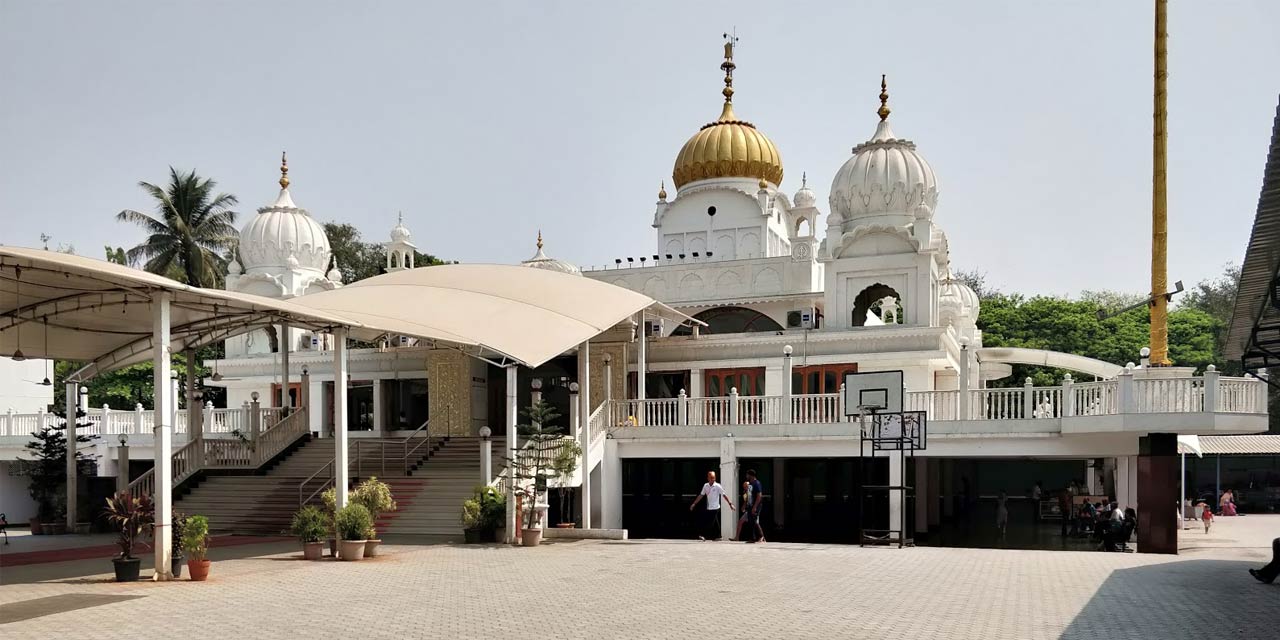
x,y
752,499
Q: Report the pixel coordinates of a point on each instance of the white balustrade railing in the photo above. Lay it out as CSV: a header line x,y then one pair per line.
x,y
997,404
937,405
819,408
1241,395
1168,395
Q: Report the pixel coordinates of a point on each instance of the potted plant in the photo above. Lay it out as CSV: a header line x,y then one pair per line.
x,y
176,529
133,516
330,500
375,495
563,464
482,514
195,542
311,525
532,464
352,522
47,473
472,521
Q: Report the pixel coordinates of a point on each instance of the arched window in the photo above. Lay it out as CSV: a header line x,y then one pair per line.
x,y
722,320
870,300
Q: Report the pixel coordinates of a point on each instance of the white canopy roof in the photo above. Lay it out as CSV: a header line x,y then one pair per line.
x,y
526,315
101,313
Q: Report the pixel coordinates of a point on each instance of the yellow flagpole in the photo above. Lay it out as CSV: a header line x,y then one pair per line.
x,y
1159,200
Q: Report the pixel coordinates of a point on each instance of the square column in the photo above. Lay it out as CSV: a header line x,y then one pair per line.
x,y
779,492
72,400
510,449
584,428
728,477
285,345
341,465
163,436
896,496
379,410
611,486
1158,493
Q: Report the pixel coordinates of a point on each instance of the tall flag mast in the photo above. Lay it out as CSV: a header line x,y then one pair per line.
x,y
1159,200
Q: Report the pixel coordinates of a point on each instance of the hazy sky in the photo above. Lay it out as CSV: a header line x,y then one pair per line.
x,y
484,121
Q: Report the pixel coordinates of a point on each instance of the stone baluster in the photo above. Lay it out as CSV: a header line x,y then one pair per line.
x,y
682,408
733,405
1028,399
1068,396
1126,402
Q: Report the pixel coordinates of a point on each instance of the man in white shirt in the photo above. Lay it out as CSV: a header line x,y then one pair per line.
x,y
714,495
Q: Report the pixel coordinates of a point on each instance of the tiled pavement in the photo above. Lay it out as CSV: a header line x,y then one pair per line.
x,y
657,589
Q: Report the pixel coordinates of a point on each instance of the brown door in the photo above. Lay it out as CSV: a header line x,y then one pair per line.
x,y
820,378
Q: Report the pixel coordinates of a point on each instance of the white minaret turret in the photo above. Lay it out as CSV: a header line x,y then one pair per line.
x,y
400,250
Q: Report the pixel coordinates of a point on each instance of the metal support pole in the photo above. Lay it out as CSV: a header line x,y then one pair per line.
x,y
163,469
122,466
584,430
511,515
1182,493
341,465
1217,481
285,401
72,399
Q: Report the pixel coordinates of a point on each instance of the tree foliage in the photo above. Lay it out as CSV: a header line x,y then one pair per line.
x,y
124,389
191,233
358,259
47,467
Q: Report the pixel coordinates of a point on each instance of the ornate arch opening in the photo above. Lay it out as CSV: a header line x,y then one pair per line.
x,y
872,299
721,320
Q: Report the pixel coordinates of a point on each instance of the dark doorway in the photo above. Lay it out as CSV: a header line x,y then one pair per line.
x,y
657,492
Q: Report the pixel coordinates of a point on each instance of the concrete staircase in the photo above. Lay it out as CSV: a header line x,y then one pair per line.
x,y
264,503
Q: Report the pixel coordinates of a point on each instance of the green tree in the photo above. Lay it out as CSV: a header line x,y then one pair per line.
x,y
192,230
117,255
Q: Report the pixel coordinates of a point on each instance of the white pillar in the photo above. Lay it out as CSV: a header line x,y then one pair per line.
x,y
1090,477
72,399
575,409
895,495
584,430
486,456
787,417
642,365
964,380
611,486
1131,499
695,380
728,480
512,419
922,495
122,467
341,466
163,434
380,426
285,344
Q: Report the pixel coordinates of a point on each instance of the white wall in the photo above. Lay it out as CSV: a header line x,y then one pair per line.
x,y
18,385
15,502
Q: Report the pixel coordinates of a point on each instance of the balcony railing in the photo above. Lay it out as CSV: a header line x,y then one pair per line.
x,y
1125,394
109,422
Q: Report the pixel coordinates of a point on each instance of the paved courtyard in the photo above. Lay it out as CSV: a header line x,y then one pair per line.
x,y
665,589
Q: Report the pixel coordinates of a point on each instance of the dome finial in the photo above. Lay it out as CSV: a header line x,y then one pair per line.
x,y
539,239
662,190
730,41
884,99
804,179
284,171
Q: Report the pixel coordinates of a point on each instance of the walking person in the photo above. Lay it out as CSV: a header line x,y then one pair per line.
x,y
1037,492
714,494
752,499
1269,573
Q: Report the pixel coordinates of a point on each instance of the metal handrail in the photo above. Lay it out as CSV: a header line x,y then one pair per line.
x,y
328,481
405,443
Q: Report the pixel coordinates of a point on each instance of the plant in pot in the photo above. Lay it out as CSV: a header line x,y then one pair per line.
x,y
352,522
532,467
329,498
493,504
472,521
134,517
195,542
563,464
375,495
176,528
46,471
311,525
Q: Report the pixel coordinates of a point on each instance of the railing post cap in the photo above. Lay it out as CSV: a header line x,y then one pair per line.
x,y
733,391
1066,377
138,407
1128,367
683,393
786,350
1028,381
1210,369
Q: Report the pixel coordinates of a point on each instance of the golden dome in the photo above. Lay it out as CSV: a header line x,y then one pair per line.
x,y
728,147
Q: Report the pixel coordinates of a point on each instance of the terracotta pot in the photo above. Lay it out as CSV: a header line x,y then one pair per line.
x,y
313,550
530,537
351,550
37,527
371,548
199,569
127,569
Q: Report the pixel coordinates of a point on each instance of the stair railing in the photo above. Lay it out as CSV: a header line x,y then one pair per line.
x,y
328,482
426,426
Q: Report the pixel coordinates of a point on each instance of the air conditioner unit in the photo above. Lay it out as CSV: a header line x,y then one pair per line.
x,y
793,319
654,328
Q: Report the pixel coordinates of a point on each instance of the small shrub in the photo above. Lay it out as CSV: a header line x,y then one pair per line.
x,y
353,522
195,537
472,514
375,495
134,516
310,524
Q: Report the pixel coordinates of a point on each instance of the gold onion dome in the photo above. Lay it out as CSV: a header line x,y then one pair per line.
x,y
728,147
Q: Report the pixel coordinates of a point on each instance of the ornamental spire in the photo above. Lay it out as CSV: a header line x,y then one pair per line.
x,y
730,41
662,190
884,100
539,239
284,171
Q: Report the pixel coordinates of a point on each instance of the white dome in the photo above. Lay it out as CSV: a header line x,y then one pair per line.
x,y
400,233
885,177
540,260
804,196
957,301
280,232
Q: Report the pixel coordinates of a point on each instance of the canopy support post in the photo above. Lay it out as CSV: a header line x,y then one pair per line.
x,y
285,401
341,468
72,401
163,435
512,518
584,428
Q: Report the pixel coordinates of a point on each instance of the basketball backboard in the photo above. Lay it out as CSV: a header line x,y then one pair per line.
x,y
873,392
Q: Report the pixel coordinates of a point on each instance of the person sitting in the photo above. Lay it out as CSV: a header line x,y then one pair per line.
x,y
1228,503
1113,532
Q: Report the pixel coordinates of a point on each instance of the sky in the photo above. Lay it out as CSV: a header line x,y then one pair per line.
x,y
487,121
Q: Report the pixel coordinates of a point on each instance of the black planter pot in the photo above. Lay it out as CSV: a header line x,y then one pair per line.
x,y
488,535
472,536
127,569
175,565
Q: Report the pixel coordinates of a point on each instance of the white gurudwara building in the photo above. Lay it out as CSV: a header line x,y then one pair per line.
x,y
791,298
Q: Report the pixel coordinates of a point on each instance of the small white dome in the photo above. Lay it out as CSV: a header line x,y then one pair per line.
x,y
804,197
234,268
282,235
334,274
540,260
400,233
957,303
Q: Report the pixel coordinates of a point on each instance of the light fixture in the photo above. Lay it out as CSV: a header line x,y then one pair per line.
x,y
18,355
124,439
46,382
535,384
573,387
217,377
485,432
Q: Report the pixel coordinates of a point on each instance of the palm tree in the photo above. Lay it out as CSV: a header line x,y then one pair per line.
x,y
191,231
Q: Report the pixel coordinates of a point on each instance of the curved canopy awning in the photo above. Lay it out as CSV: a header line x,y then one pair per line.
x,y
1043,358
524,315
68,307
